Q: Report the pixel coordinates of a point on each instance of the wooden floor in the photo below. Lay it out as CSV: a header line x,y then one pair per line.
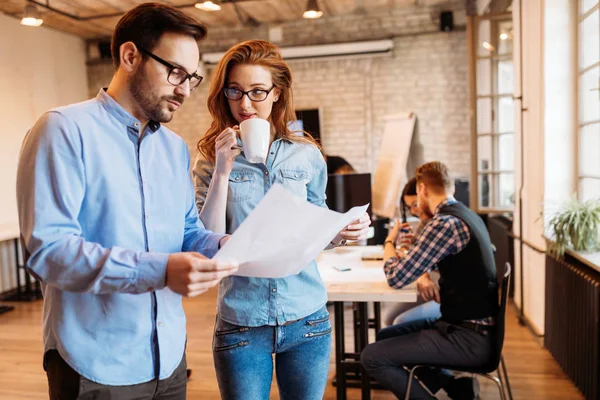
x,y
533,372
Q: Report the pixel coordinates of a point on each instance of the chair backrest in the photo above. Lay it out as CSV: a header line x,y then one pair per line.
x,y
501,318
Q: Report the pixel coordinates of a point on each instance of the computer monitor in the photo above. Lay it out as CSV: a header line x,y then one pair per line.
x,y
345,191
308,120
461,192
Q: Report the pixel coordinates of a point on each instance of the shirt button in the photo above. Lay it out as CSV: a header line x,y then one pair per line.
x,y
274,290
237,178
159,323
137,124
266,172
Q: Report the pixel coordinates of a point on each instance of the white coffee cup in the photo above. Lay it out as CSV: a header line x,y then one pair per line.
x,y
255,134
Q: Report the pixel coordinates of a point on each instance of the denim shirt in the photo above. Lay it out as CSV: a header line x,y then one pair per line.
x,y
100,209
245,301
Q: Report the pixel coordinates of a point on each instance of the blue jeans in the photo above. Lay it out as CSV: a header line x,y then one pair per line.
x,y
409,312
425,312
244,358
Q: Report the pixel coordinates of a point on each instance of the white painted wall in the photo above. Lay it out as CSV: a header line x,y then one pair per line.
x,y
549,148
40,68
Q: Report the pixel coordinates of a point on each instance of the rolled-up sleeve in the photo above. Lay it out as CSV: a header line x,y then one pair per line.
x,y
316,187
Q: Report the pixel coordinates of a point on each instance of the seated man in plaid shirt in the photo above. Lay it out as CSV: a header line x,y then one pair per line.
x,y
456,242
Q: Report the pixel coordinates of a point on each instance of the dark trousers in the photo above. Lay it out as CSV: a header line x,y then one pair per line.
x,y
424,342
66,384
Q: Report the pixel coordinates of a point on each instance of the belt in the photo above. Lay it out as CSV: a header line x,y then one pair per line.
x,y
478,328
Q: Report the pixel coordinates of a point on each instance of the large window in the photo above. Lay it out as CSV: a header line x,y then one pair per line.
x,y
492,86
588,84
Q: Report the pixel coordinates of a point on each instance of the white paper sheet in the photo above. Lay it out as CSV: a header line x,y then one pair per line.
x,y
283,234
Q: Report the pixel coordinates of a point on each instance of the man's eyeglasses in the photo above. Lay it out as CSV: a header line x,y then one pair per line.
x,y
254,94
176,75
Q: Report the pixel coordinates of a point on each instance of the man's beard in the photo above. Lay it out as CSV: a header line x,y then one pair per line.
x,y
426,212
141,91
424,207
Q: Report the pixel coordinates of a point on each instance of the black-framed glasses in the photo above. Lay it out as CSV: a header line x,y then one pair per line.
x,y
176,75
254,94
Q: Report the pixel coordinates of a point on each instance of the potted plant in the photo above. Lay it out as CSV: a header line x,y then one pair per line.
x,y
575,226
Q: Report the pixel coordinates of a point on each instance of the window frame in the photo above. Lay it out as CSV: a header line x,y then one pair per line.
x,y
581,176
493,173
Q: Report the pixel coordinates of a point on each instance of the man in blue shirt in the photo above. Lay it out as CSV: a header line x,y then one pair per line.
x,y
109,223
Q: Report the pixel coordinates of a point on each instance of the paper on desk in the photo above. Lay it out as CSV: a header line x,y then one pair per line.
x,y
283,234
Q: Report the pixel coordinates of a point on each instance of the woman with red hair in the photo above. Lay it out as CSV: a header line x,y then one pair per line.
x,y
259,318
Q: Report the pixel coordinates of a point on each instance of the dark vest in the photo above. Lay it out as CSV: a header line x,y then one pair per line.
x,y
468,283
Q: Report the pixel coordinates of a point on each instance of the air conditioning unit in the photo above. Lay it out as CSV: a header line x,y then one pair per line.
x,y
353,49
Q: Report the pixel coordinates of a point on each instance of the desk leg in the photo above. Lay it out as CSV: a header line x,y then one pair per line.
x,y
357,322
340,351
363,312
377,318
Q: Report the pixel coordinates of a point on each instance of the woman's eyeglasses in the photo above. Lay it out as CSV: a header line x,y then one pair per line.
x,y
254,94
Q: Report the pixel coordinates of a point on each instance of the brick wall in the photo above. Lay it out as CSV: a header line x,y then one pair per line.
x,y
426,74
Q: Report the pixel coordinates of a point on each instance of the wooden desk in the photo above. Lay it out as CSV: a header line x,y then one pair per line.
x,y
365,282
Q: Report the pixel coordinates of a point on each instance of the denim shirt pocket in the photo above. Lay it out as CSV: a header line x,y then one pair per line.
x,y
241,184
295,180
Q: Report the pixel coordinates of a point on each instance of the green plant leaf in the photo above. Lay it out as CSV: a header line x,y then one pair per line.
x,y
575,225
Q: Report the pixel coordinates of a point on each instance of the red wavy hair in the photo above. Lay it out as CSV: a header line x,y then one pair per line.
x,y
253,52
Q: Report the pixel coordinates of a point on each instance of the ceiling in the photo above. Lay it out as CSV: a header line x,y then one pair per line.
x,y
231,14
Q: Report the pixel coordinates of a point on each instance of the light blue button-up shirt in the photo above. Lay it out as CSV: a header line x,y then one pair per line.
x,y
100,209
245,301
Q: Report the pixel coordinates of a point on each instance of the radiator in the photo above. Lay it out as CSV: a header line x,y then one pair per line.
x,y
572,326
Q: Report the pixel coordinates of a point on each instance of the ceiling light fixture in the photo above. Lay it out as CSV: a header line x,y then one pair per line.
x,y
209,5
488,46
31,16
312,10
503,36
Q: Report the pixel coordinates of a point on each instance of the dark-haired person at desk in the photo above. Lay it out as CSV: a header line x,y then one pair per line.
x,y
338,165
457,241
427,305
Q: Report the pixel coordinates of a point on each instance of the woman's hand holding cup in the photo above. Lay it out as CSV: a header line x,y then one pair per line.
x,y
406,236
226,150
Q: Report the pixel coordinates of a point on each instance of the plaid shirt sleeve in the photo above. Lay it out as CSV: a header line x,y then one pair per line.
x,y
444,235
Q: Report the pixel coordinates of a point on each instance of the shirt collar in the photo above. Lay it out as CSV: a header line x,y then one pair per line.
x,y
124,117
449,201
